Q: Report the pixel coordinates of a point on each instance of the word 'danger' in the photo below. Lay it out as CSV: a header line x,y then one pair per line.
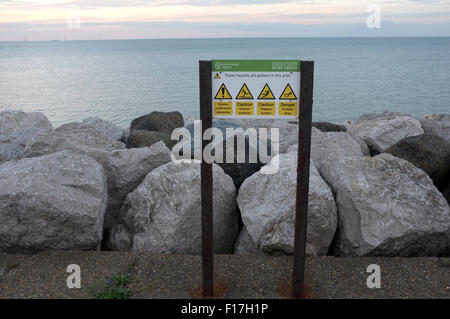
x,y
256,88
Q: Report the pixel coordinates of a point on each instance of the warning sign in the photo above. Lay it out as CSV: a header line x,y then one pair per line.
x,y
266,108
244,93
266,93
245,108
287,108
223,108
223,93
256,88
288,93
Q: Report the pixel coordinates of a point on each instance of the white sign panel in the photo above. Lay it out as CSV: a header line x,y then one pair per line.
x,y
256,88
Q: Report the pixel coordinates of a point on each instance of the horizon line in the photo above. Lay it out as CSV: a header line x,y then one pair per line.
x,y
254,37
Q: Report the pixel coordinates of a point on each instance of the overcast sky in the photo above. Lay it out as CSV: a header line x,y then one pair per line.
x,y
137,19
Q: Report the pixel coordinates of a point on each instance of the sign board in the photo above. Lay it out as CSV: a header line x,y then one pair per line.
x,y
256,88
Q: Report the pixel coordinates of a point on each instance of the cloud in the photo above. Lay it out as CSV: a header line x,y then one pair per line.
x,y
249,15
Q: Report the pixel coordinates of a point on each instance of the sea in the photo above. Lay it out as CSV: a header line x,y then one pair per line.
x,y
119,80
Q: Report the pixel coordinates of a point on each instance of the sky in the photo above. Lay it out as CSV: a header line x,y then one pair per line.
x,y
43,20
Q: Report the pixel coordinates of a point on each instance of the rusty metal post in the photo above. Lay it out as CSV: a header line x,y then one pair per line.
x,y
304,150
206,182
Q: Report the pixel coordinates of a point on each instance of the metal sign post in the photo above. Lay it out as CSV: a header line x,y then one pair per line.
x,y
285,92
206,183
303,160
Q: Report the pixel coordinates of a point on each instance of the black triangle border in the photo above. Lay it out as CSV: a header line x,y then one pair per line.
x,y
216,98
237,96
285,90
274,98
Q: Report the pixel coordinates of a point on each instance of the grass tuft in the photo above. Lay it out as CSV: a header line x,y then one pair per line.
x,y
116,288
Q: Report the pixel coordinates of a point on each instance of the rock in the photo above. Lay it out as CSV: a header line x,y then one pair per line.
x,y
103,127
429,152
387,207
329,127
85,141
288,130
326,145
126,135
56,201
125,169
164,122
446,193
221,125
16,128
246,246
163,214
238,171
140,138
267,205
364,148
381,131
437,124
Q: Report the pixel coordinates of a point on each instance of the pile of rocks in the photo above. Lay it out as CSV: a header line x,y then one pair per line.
x,y
378,187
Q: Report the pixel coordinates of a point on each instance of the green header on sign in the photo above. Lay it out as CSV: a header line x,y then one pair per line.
x,y
256,65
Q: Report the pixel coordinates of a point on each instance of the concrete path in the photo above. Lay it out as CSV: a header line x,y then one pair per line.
x,y
43,275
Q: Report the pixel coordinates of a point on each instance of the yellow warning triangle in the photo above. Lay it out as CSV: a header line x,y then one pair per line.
x,y
266,93
223,93
244,93
217,76
288,93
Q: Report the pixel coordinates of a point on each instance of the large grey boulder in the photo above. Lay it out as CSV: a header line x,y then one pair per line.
x,y
164,122
103,127
267,205
437,124
246,246
446,193
327,145
288,130
16,128
141,138
163,214
238,168
329,127
86,141
124,168
56,201
381,131
387,207
429,151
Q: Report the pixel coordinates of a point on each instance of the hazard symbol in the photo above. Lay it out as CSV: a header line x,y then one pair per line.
x,y
288,93
223,93
244,93
266,93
